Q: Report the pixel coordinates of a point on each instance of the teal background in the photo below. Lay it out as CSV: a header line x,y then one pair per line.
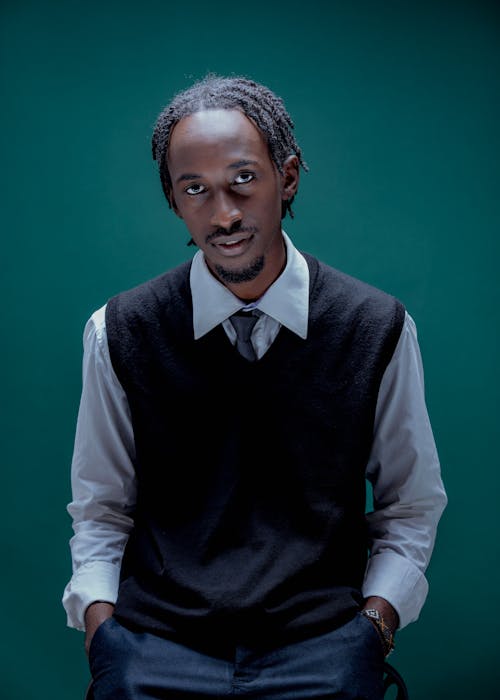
x,y
397,110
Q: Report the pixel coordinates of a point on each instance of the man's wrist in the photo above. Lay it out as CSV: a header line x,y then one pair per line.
x,y
384,631
96,613
386,610
384,618
99,610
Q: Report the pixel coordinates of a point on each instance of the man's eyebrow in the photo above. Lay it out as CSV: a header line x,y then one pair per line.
x,y
242,164
188,176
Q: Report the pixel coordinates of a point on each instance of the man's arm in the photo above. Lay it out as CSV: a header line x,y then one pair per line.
x,y
408,493
103,486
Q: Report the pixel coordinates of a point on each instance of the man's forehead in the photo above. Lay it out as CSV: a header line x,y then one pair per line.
x,y
217,123
216,131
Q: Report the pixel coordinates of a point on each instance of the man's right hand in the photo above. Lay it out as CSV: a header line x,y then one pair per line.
x,y
95,615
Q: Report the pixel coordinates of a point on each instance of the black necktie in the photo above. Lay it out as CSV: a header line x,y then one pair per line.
x,y
243,323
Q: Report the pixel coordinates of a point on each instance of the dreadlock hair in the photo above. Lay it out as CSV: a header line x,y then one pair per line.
x,y
256,101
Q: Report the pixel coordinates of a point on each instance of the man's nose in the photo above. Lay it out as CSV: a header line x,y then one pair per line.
x,y
225,212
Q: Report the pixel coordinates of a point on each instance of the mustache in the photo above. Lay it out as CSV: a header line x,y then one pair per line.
x,y
237,228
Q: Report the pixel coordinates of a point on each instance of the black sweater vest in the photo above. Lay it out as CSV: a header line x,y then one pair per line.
x,y
251,476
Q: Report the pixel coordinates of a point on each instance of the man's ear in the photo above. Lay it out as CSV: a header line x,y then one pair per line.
x,y
290,178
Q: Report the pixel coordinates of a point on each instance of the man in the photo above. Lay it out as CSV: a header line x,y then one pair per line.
x,y
231,411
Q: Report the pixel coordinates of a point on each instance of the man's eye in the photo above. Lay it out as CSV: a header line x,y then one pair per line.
x,y
243,178
195,189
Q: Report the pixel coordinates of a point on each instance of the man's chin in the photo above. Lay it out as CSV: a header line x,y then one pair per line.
x,y
242,274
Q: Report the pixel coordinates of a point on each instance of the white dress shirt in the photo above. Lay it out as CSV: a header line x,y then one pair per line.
x,y
404,469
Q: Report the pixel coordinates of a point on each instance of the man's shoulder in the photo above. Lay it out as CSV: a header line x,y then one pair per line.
x,y
340,284
135,316
166,296
169,283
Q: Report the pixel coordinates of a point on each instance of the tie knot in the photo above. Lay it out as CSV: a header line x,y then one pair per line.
x,y
243,323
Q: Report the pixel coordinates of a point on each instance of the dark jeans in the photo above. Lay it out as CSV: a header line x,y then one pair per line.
x,y
346,664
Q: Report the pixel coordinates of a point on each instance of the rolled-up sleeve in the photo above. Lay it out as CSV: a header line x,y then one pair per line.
x,y
408,492
102,480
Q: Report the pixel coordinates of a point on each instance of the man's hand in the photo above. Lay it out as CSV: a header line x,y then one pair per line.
x,y
95,615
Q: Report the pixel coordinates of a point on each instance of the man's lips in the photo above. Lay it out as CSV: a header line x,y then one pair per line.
x,y
232,240
222,236
232,245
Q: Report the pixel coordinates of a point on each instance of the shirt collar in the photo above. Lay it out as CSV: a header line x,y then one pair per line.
x,y
286,300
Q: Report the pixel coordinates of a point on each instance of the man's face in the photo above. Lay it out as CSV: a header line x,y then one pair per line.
x,y
229,193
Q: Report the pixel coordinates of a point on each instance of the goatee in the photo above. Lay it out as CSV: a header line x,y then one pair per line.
x,y
246,274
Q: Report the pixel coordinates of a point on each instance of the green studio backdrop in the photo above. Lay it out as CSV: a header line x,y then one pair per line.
x,y
397,108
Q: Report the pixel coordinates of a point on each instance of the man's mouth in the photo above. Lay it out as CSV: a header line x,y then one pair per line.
x,y
233,245
232,241
230,235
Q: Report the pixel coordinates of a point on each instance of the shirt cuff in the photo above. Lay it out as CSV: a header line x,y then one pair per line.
x,y
399,581
91,582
